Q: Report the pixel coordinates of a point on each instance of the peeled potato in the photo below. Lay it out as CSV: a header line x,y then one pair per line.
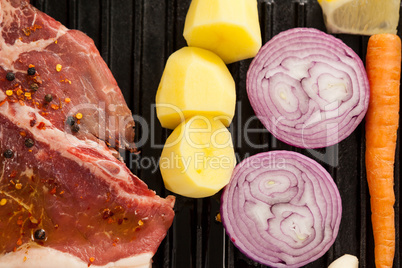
x,y
195,82
229,28
198,158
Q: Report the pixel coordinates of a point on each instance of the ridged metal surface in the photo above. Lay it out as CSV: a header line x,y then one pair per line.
x,y
135,37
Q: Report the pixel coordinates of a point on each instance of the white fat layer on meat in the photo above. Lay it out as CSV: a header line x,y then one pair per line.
x,y
2,95
62,142
31,255
9,53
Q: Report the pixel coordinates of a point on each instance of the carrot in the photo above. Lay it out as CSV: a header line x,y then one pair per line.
x,y
383,66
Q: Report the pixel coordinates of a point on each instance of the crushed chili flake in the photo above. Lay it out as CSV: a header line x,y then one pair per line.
x,y
55,42
4,101
66,81
37,79
140,223
19,242
21,102
9,92
91,260
41,125
18,186
54,107
3,202
62,192
23,134
27,31
31,66
53,191
20,221
25,258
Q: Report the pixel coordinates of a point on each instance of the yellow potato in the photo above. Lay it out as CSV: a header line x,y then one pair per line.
x,y
195,82
229,28
198,158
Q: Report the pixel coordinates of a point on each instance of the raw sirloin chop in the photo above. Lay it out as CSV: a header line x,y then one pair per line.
x,y
65,200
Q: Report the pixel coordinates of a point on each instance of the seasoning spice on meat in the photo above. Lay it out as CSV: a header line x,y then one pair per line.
x,y
75,128
8,153
29,143
10,76
3,202
34,86
70,121
48,97
31,71
40,234
41,126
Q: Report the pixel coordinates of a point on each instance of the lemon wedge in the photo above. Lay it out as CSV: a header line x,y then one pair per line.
x,y
364,17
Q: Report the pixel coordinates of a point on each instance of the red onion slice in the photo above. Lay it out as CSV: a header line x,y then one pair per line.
x,y
308,88
281,209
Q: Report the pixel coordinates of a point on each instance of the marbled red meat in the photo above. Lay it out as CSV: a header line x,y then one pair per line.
x,y
30,37
63,180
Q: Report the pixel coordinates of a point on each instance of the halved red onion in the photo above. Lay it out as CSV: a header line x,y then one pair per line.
x,y
281,209
308,88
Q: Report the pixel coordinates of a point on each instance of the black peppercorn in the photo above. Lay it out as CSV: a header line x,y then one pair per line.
x,y
75,128
10,76
31,71
48,97
40,234
29,143
34,86
8,153
70,120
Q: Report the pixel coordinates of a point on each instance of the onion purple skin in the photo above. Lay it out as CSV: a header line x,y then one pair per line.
x,y
308,88
265,228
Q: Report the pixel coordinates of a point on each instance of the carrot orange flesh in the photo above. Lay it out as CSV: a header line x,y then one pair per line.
x,y
383,65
